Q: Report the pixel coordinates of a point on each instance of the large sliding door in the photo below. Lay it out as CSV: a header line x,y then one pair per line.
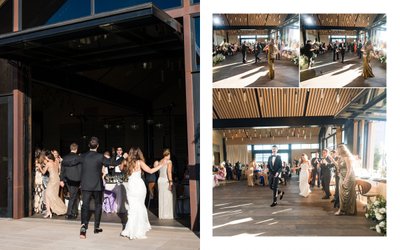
x,y
6,132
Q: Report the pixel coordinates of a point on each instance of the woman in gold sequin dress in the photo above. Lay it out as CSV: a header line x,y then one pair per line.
x,y
367,50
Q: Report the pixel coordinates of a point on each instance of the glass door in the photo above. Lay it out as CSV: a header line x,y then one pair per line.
x,y
6,156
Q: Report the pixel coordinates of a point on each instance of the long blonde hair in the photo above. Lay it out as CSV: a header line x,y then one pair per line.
x,y
343,151
305,158
134,155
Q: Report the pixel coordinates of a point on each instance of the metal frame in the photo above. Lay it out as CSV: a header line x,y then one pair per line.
x,y
8,99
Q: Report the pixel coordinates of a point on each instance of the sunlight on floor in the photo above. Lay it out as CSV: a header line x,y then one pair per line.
x,y
226,212
282,211
227,65
243,79
264,221
222,204
235,222
236,212
334,80
241,205
247,235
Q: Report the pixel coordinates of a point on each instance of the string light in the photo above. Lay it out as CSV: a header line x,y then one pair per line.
x,y
219,95
229,97
244,96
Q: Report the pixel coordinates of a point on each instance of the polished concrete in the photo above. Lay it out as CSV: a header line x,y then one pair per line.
x,y
239,210
327,73
233,73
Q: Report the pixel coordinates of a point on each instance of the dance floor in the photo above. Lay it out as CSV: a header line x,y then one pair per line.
x,y
328,74
239,210
232,73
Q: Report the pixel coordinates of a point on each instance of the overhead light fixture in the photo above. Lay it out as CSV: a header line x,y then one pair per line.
x,y
219,95
337,97
217,20
229,97
308,20
244,96
134,126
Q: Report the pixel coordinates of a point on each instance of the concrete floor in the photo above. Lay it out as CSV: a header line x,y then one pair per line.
x,y
239,210
232,73
328,74
33,233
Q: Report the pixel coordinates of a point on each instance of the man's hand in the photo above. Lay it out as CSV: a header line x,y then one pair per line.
x,y
62,184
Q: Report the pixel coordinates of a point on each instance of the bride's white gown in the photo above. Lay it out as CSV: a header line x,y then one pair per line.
x,y
138,220
303,185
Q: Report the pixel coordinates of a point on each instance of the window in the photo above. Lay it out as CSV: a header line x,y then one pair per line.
x,y
248,147
196,1
36,13
107,5
196,42
379,150
6,17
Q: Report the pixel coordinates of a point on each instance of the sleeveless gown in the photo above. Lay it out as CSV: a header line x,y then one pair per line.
x,y
347,191
165,196
303,185
57,206
138,220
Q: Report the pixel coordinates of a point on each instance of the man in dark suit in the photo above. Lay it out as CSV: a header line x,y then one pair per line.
x,y
92,185
359,47
71,177
115,162
326,165
275,168
244,52
342,48
316,171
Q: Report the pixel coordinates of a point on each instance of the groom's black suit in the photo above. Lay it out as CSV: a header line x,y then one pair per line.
x,y
92,184
274,169
326,175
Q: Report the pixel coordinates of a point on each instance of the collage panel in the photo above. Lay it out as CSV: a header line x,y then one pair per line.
x,y
255,50
343,50
299,162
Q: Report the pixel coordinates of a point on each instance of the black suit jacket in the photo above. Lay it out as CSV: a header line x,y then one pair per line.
x,y
326,168
92,164
276,167
71,167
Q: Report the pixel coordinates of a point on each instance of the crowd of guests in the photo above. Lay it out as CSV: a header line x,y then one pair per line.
x,y
62,185
336,166
364,51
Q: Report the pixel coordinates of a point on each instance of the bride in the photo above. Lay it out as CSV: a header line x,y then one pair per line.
x,y
305,167
138,221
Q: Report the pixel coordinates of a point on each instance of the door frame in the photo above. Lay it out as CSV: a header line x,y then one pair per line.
x,y
8,99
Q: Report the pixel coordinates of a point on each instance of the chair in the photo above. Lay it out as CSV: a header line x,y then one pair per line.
x,y
363,188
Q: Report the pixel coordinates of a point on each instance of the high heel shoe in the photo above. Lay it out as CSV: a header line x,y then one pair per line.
x,y
48,215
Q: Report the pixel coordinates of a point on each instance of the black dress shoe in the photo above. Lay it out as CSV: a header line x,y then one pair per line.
x,y
282,193
274,204
83,232
98,230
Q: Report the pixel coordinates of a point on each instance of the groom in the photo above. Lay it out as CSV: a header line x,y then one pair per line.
x,y
275,168
92,186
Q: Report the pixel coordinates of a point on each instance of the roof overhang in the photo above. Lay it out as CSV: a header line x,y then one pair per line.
x,y
96,41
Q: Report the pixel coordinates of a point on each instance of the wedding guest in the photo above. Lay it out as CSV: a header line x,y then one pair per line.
x,y
250,173
326,165
272,51
71,177
53,203
221,174
38,203
367,51
347,184
166,200
316,171
336,158
244,52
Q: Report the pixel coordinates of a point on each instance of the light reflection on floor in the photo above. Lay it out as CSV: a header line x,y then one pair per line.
x,y
234,222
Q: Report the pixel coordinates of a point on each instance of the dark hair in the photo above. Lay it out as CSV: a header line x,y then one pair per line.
x,y
49,155
274,146
134,155
94,143
166,152
73,146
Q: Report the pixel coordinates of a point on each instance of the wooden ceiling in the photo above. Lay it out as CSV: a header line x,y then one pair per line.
x,y
250,19
280,102
241,32
341,20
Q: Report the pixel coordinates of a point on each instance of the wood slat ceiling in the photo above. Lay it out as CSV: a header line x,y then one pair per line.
x,y
298,132
333,32
241,32
251,19
279,102
344,20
